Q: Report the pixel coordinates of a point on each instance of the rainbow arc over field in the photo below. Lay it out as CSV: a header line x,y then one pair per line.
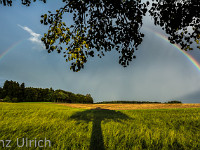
x,y
13,46
187,55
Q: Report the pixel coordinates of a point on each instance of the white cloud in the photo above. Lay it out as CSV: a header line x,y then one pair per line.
x,y
35,37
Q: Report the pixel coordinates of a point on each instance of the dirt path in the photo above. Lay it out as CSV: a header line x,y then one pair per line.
x,y
130,106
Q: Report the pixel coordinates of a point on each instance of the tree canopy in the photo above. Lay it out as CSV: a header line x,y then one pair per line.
x,y
102,25
176,18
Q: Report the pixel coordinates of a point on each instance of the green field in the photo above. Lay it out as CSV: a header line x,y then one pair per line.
x,y
70,128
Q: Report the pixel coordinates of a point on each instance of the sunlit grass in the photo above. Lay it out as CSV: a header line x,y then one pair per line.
x,y
155,129
72,128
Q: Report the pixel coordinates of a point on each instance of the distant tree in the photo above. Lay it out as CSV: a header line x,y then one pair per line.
x,y
1,93
11,89
31,94
15,89
22,92
40,95
88,98
50,97
6,88
60,96
80,98
45,94
174,102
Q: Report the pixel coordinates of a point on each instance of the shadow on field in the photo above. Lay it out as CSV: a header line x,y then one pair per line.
x,y
97,115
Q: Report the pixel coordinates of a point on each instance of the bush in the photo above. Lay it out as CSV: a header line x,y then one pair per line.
x,y
14,100
7,99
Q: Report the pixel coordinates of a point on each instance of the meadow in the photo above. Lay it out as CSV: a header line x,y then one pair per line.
x,y
78,128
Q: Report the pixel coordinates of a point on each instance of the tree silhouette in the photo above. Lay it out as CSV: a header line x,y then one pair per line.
x,y
102,25
179,19
97,116
98,24
24,2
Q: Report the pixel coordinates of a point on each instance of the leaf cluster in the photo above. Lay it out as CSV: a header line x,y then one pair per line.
x,y
177,18
24,2
101,25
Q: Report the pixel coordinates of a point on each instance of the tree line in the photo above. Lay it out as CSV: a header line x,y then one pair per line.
x,y
138,102
12,91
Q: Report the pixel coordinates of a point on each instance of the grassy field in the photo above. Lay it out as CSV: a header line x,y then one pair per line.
x,y
76,128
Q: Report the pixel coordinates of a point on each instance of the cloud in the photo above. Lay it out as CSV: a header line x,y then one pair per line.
x,y
35,37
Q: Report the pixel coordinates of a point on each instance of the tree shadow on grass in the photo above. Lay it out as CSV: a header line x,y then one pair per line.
x,y
96,116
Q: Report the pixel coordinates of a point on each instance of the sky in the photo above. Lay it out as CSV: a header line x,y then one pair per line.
x,y
159,73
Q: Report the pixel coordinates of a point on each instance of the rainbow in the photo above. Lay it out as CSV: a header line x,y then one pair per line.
x,y
2,55
187,55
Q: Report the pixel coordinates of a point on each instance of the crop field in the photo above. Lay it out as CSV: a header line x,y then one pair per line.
x,y
130,106
58,126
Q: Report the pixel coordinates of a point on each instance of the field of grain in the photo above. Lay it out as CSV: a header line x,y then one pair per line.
x,y
98,129
130,106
